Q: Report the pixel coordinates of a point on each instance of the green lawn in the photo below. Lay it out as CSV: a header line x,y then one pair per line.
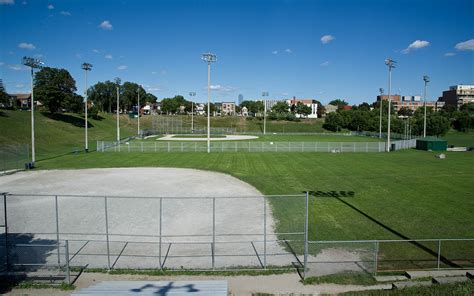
x,y
465,139
411,192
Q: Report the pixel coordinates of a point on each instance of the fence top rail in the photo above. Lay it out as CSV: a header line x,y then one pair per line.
x,y
260,142
151,197
391,240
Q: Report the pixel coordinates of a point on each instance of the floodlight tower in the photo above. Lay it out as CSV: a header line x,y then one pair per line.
x,y
380,118
192,94
33,64
209,58
117,85
264,94
391,64
138,108
426,79
86,67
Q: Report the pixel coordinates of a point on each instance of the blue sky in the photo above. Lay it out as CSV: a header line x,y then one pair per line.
x,y
308,49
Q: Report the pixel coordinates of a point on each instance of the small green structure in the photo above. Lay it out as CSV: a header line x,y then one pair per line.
x,y
433,144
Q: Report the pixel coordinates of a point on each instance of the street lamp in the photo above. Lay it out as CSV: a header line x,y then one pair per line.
x,y
33,64
426,79
138,109
391,64
380,118
117,85
192,94
264,94
209,58
86,67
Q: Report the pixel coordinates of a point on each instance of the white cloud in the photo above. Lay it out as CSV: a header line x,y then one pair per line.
x,y
50,6
288,50
275,52
449,54
223,88
106,25
25,45
417,44
2,63
96,50
326,63
153,72
16,67
153,88
19,85
67,13
7,2
327,38
108,56
78,55
122,67
466,45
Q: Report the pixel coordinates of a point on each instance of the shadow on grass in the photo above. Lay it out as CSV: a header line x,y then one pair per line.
x,y
3,114
67,118
338,194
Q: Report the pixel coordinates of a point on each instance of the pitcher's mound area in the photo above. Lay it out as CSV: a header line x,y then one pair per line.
x,y
136,197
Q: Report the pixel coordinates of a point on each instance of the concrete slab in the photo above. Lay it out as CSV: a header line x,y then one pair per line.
x,y
390,278
401,285
450,279
436,273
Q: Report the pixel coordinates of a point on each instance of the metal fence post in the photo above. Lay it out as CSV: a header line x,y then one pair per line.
x,y
155,146
213,230
264,232
376,256
306,238
107,232
57,228
168,146
68,273
439,252
161,229
7,257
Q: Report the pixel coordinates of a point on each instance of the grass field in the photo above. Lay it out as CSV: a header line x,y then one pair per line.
x,y
465,139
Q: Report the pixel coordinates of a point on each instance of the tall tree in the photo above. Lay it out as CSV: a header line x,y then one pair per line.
x,y
280,107
52,88
103,95
302,109
4,97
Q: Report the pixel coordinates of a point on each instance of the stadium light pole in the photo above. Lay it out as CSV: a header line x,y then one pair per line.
x,y
117,85
426,79
380,118
86,67
138,109
209,58
192,94
391,64
33,64
264,94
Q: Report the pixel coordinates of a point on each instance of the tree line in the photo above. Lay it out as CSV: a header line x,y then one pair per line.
x,y
364,118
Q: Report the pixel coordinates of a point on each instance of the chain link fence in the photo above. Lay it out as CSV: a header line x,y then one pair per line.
x,y
13,158
241,146
387,256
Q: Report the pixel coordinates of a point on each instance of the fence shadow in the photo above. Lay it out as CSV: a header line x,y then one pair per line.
x,y
76,121
11,270
338,195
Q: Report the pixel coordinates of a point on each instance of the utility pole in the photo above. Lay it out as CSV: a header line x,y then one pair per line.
x,y
86,67
209,58
33,64
264,94
380,107
391,64
426,79
192,94
117,83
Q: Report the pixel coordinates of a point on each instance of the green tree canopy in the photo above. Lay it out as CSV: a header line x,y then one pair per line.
x,y
53,88
4,98
280,107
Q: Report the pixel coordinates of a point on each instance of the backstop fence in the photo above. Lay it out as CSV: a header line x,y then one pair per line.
x,y
13,157
251,146
46,236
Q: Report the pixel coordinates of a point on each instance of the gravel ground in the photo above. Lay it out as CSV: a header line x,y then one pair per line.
x,y
134,224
